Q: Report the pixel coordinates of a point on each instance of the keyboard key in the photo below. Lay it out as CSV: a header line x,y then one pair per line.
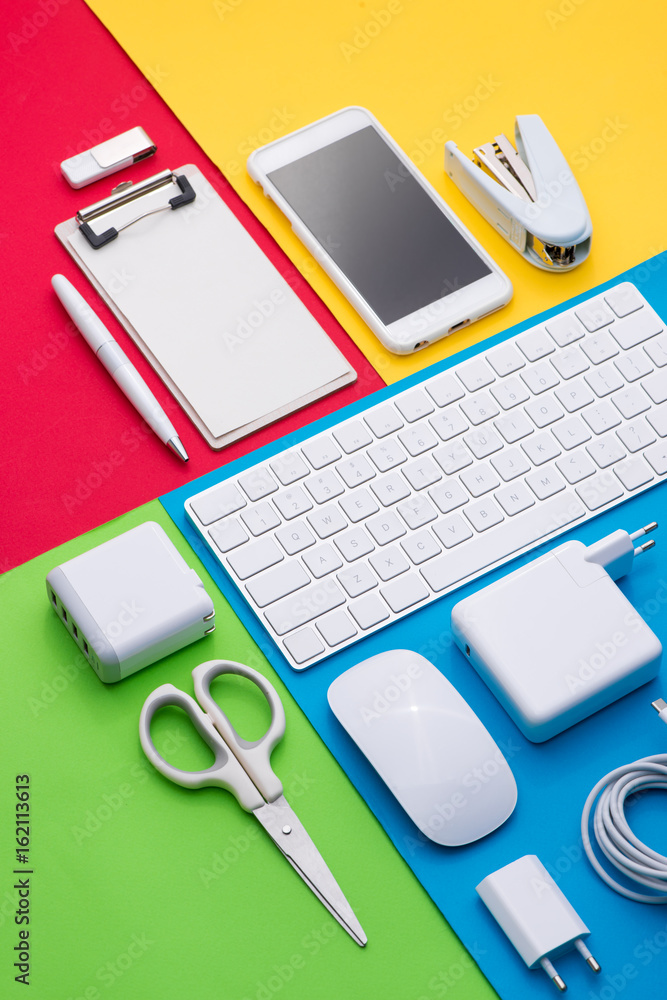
x,y
601,417
545,483
387,455
630,402
359,505
452,531
322,561
574,395
389,563
258,483
368,611
404,593
304,606
599,348
453,457
413,405
385,528
637,328
508,538
416,512
482,442
604,380
385,420
449,423
480,479
658,420
510,392
354,544
565,329
228,534
277,583
656,456
656,349
479,408
633,472
355,471
420,547
570,362
505,360
623,299
448,496
535,344
571,433
390,489
304,645
417,440
295,537
260,518
543,411
327,521
217,503
357,580
540,449
594,314
605,451
289,467
421,473
444,390
540,378
513,499
475,374
483,515
575,467
634,364
511,463
656,386
600,490
324,487
513,427
637,435
351,437
336,628
320,452
292,503
253,558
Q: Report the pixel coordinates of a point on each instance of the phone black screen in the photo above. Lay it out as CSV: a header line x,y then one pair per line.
x,y
378,224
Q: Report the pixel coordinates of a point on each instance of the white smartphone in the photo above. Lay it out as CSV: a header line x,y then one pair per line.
x,y
379,229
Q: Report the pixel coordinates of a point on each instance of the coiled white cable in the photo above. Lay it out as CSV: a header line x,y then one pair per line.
x,y
613,835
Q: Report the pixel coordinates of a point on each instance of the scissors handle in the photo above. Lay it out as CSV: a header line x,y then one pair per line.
x,y
255,755
225,772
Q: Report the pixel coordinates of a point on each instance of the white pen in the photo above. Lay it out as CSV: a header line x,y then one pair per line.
x,y
117,363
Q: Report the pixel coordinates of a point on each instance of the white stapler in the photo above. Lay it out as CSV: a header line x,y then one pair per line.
x,y
529,194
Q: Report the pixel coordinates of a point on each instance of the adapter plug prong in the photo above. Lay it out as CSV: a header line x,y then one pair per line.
x,y
553,975
585,953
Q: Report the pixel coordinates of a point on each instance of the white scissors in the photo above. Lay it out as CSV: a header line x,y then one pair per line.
x,y
244,768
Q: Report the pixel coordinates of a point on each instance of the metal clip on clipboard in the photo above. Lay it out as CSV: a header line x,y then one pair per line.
x,y
124,195
529,194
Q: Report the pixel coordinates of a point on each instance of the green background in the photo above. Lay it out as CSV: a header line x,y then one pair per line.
x,y
142,888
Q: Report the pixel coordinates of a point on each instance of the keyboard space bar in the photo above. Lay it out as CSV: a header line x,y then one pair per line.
x,y
529,526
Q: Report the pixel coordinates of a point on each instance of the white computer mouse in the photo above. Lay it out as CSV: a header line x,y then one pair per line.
x,y
427,745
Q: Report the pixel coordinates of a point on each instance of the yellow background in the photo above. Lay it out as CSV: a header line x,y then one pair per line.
x,y
238,73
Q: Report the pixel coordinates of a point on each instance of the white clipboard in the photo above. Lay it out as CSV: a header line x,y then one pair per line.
x,y
215,319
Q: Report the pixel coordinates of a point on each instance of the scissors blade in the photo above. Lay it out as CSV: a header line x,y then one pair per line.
x,y
289,835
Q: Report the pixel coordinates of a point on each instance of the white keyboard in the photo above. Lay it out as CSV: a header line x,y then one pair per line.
x,y
385,512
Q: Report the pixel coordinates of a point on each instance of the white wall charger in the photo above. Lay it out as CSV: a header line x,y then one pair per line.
x,y
556,640
130,601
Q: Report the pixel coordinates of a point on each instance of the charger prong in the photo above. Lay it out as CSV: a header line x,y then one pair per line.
x,y
644,531
585,953
644,547
552,974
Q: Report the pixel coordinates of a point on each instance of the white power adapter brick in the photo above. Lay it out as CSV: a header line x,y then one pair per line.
x,y
536,916
556,640
130,601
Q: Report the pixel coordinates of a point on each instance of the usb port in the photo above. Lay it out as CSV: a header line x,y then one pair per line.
x,y
75,631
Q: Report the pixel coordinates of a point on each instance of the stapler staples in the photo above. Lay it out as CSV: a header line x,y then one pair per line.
x,y
529,194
